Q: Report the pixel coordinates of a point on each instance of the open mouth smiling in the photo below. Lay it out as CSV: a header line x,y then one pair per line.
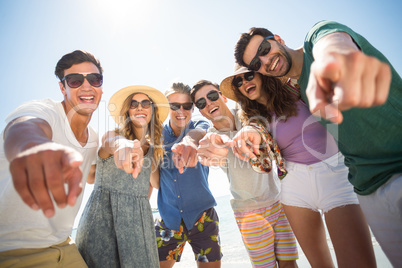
x,y
250,89
213,110
87,99
140,116
274,64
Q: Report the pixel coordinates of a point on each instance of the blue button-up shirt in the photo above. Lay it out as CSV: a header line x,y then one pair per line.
x,y
182,196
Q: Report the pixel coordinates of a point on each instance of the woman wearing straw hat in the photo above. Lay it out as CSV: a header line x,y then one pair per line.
x,y
116,227
316,181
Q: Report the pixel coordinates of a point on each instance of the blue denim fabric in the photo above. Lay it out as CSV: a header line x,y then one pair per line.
x,y
182,196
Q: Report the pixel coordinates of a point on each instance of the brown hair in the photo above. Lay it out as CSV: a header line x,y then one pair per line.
x,y
75,57
154,134
280,101
244,40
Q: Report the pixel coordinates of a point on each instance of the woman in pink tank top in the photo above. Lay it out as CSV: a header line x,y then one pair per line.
x,y
316,182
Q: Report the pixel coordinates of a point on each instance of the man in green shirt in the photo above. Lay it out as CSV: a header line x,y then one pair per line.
x,y
347,81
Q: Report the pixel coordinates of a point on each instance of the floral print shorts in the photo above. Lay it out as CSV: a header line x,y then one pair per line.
x,y
203,238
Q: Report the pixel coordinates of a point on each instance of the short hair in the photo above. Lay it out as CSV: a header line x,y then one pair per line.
x,y
244,40
75,57
178,87
199,85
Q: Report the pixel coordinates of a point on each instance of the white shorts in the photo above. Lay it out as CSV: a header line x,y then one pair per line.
x,y
321,186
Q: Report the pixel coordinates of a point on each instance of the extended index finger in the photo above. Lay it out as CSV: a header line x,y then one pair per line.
x,y
20,180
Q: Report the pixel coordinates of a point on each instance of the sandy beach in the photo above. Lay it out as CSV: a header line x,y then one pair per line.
x,y
234,253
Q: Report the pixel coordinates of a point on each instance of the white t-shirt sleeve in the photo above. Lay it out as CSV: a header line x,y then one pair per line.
x,y
44,109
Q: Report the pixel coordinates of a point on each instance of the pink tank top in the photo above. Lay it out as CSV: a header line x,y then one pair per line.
x,y
302,139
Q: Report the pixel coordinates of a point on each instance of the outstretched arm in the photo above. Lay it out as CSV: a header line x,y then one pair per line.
x,y
342,77
246,143
128,154
212,149
39,167
185,152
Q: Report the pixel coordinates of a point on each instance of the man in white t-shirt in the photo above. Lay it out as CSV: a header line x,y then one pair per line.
x,y
45,157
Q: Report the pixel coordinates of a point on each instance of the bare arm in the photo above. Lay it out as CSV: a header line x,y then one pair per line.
x,y
39,167
128,154
342,77
155,177
109,144
91,175
212,149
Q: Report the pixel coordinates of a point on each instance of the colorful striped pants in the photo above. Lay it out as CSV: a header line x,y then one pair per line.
x,y
267,235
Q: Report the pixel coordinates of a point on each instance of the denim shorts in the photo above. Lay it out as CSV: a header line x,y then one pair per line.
x,y
321,186
203,238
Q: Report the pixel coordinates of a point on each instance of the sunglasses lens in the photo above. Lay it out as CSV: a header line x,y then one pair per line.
x,y
75,80
249,76
187,106
174,106
145,104
265,48
134,104
213,95
201,103
256,66
238,81
95,80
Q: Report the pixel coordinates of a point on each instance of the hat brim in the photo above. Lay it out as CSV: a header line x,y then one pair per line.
x,y
157,97
227,87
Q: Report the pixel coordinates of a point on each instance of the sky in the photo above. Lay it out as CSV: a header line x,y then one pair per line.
x,y
156,42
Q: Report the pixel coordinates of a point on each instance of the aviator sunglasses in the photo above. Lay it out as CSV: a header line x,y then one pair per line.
x,y
144,104
176,106
263,49
76,80
213,95
238,81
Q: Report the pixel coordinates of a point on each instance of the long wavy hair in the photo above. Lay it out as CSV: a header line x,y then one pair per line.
x,y
280,101
154,129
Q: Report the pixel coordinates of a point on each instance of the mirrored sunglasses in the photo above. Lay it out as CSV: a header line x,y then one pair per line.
x,y
77,79
213,95
144,104
238,80
263,49
176,106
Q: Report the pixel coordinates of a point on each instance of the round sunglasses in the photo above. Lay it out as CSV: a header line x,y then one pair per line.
x,y
174,106
263,49
238,81
213,95
144,104
77,79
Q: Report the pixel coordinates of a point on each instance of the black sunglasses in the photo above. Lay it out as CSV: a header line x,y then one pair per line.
x,y
176,106
263,49
144,104
238,81
76,80
213,95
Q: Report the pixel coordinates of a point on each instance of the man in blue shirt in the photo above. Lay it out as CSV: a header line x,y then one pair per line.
x,y
185,202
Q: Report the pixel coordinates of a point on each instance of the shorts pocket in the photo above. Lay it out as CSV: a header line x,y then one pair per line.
x,y
339,168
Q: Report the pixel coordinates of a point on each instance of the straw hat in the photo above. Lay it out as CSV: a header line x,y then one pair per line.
x,y
226,85
157,97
